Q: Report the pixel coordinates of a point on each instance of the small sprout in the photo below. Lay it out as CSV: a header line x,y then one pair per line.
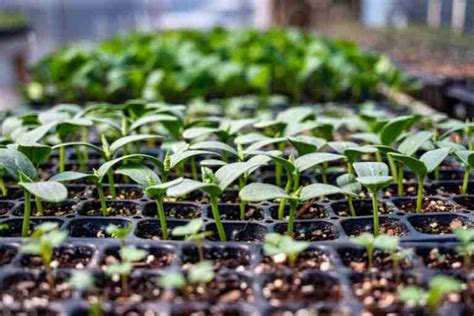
x,y
172,280
192,232
81,280
118,232
128,255
201,273
366,240
43,241
276,244
4,227
466,248
391,245
439,286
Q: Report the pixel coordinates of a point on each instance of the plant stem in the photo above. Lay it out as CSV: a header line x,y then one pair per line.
x,y
3,187
82,163
103,205
162,217
112,190
400,181
467,260
26,215
242,204
375,210
291,219
370,257
378,156
124,279
436,174
281,209
217,218
351,206
62,154
199,250
323,172
465,182
419,197
85,151
39,206
393,167
278,170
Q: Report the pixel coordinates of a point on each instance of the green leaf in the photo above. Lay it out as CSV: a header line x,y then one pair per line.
x,y
412,143
266,142
312,160
187,186
79,144
119,143
132,254
295,114
118,232
172,280
465,236
306,144
14,162
319,189
250,138
257,192
104,168
37,153
415,165
120,268
370,138
155,118
81,280
36,134
195,132
49,191
273,155
235,126
181,156
373,175
412,294
139,173
434,158
394,128
227,174
212,163
364,239
445,284
214,145
158,190
72,176
386,242
202,272
466,157
191,228
348,182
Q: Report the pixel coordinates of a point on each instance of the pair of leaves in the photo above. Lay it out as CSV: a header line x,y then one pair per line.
x,y
373,175
427,163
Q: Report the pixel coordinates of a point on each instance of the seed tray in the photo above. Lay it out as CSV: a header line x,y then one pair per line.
x,y
252,277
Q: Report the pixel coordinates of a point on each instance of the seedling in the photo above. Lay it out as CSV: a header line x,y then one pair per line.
x,y
120,233
43,241
467,158
391,245
374,176
19,167
192,232
200,274
439,286
84,281
427,163
258,192
466,248
128,255
276,244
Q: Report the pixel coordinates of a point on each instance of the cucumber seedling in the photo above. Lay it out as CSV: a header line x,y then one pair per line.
x,y
467,158
276,244
192,232
83,281
466,248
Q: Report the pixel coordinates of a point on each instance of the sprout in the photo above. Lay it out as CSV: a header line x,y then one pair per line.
x,y
391,245
374,176
192,232
466,249
128,255
84,281
421,167
467,158
276,244
43,241
438,286
200,274
121,233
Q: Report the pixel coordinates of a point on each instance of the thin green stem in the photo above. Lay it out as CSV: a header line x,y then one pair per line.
x,y
281,209
393,167
378,156
242,204
465,182
199,250
370,257
26,215
82,163
351,206
436,173
375,210
3,187
110,177
162,216
291,219
62,159
323,172
217,218
400,181
85,151
103,204
194,169
39,206
419,196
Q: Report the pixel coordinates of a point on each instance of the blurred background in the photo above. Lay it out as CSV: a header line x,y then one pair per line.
x,y
432,39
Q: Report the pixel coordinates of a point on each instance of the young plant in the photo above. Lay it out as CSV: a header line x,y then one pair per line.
x,y
200,274
258,192
120,233
391,245
42,242
276,244
439,286
467,158
466,248
83,281
21,169
427,163
192,232
374,176
128,255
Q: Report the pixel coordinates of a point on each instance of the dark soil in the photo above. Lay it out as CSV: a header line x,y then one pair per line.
x,y
51,209
312,258
357,260
7,253
436,226
174,210
306,211
5,207
314,231
71,257
441,258
228,257
156,258
388,227
231,212
429,205
362,208
115,208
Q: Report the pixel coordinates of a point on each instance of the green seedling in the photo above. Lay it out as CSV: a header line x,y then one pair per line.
x,y
200,274
276,244
192,232
391,244
19,167
374,176
128,255
84,281
427,163
120,233
258,192
42,242
466,248
439,286
467,158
